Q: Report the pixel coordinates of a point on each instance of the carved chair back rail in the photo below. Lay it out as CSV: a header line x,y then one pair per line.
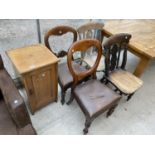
x,y
59,31
113,48
64,77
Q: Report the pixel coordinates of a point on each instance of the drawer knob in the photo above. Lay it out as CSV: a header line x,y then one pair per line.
x,y
43,74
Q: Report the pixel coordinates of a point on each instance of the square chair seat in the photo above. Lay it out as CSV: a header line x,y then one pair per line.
x,y
125,81
64,75
94,97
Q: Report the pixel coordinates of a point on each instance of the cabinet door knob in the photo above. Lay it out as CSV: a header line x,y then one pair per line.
x,y
43,74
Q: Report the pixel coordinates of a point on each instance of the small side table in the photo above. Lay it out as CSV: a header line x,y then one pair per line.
x,y
37,66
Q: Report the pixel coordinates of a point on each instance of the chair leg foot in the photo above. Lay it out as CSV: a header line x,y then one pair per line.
x,y
70,100
87,125
129,97
63,97
106,82
120,93
115,89
110,111
103,80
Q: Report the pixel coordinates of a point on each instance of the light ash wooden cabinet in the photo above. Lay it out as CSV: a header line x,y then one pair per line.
x,y
38,69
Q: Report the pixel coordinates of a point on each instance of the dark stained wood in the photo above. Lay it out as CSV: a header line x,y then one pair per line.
x,y
58,31
115,72
62,70
112,48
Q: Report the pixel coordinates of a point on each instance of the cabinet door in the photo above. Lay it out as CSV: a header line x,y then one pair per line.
x,y
43,87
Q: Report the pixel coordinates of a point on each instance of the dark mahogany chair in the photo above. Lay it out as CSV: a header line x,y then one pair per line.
x,y
64,77
115,51
93,97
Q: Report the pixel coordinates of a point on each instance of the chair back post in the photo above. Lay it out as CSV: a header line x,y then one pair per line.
x,y
82,46
113,47
59,31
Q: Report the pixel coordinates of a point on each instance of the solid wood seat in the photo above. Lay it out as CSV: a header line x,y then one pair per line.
x,y
92,96
125,81
92,30
99,99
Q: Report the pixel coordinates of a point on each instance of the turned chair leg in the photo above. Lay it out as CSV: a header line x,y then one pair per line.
x,y
111,110
63,97
129,96
87,125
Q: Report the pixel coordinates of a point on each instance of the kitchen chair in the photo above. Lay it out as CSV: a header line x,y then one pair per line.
x,y
115,49
93,97
92,30
64,77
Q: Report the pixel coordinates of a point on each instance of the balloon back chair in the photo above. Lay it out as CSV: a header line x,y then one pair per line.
x,y
92,96
64,77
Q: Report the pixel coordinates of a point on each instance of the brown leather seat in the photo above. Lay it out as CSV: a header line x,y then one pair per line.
x,y
64,75
95,98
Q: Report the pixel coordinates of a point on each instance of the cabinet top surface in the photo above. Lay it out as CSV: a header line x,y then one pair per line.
x,y
142,31
31,57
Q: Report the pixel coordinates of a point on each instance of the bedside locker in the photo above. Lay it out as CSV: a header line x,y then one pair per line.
x,y
37,66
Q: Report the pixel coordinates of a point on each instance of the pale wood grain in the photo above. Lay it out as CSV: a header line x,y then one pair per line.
x,y
125,81
31,57
142,31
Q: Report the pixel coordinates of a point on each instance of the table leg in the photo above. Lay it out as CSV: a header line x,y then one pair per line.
x,y
143,63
